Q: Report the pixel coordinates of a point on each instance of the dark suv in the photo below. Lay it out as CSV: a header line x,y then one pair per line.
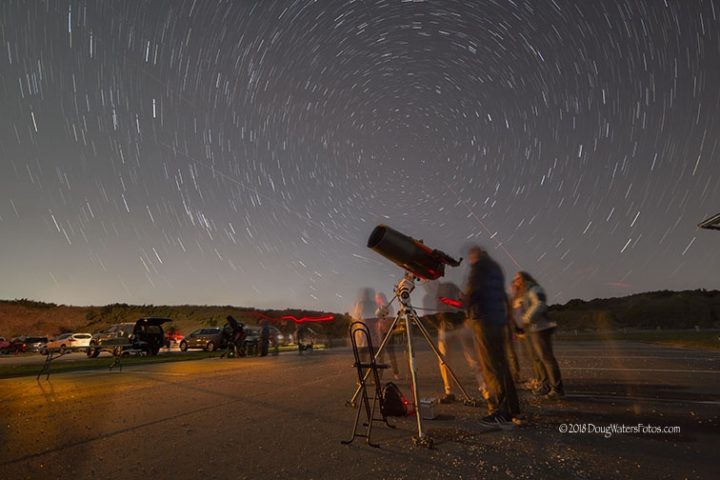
x,y
146,335
208,338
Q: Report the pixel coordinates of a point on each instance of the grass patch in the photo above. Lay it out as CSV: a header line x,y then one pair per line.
x,y
104,362
703,339
99,363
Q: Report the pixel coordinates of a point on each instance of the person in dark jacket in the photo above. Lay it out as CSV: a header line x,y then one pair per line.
x,y
264,338
486,304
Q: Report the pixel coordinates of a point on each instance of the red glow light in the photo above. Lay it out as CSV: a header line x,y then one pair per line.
x,y
326,318
451,301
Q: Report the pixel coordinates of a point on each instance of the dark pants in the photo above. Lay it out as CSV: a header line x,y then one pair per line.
x,y
531,358
549,369
490,342
390,349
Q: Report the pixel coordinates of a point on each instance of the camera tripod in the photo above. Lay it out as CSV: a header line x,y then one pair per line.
x,y
408,317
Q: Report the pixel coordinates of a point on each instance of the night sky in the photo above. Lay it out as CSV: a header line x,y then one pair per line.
x,y
239,152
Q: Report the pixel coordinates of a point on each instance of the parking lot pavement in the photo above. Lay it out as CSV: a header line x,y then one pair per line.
x,y
284,417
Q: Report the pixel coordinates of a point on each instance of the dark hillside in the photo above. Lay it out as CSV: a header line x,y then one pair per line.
x,y
27,317
664,309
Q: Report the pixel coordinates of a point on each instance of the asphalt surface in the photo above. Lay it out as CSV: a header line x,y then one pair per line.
x,y
283,417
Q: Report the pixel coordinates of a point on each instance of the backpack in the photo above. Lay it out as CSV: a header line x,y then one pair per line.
x,y
393,402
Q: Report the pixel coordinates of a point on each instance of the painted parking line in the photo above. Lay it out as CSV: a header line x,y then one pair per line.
x,y
654,370
660,357
628,398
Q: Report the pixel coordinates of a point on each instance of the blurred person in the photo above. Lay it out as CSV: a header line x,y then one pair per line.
x,y
516,306
454,329
385,318
486,305
364,311
540,329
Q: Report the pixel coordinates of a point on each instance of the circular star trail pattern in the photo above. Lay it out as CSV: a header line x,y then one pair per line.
x,y
206,151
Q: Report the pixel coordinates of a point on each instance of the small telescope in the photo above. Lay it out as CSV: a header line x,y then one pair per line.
x,y
410,254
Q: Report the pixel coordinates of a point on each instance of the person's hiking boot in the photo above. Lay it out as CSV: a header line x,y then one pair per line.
x,y
497,421
447,398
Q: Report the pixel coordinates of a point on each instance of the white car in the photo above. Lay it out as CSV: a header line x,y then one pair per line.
x,y
67,341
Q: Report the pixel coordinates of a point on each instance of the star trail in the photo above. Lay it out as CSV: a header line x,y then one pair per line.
x,y
219,152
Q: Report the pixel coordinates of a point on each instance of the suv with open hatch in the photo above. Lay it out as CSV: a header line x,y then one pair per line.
x,y
145,336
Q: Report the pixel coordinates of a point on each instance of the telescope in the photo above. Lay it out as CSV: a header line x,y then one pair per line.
x,y
410,254
420,262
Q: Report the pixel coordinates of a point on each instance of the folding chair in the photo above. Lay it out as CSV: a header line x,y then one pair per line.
x,y
360,331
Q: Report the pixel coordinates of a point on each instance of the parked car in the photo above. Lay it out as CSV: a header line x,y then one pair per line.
x,y
67,341
17,345
173,338
119,330
278,337
26,343
312,337
208,339
252,340
5,346
146,336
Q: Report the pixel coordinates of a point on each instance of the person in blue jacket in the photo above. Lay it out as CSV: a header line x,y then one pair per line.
x,y
485,302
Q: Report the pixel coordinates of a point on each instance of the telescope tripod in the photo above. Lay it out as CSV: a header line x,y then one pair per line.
x,y
407,316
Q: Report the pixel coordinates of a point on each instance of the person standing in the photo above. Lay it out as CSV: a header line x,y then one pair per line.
x,y
364,311
453,328
264,338
303,334
540,329
517,311
486,305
